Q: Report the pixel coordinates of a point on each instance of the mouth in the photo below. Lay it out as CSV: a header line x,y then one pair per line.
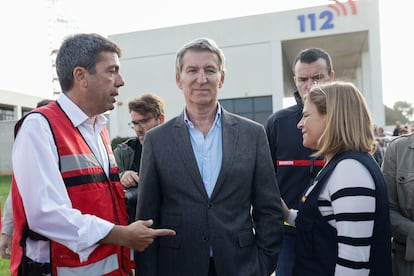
x,y
114,95
201,90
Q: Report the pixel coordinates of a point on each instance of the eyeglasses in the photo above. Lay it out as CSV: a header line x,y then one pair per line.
x,y
141,123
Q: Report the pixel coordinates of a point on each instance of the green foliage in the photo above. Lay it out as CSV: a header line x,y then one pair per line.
x,y
5,182
398,113
405,108
118,140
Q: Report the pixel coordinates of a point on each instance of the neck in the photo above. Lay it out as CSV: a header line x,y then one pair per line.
x,y
202,119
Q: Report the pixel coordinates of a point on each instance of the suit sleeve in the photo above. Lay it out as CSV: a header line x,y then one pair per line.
x,y
267,210
272,139
148,206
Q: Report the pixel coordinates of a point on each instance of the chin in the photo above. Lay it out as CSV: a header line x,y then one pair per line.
x,y
308,145
111,107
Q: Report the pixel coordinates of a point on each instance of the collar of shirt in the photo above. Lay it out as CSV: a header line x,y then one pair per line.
x,y
77,116
89,130
217,121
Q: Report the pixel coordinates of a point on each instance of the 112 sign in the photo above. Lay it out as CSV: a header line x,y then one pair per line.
x,y
310,21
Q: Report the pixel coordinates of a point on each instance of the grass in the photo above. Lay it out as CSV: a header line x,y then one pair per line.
x,y
5,181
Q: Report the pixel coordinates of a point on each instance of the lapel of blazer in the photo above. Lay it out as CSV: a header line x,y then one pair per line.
x,y
181,137
229,137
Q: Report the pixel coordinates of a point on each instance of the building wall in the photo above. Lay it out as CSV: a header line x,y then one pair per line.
x,y
6,142
19,102
148,63
259,50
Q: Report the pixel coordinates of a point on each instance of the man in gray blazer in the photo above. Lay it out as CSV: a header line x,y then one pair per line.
x,y
208,175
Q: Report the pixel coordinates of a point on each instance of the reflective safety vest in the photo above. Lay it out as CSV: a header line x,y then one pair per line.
x,y
89,190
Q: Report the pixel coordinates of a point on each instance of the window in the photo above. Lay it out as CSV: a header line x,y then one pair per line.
x,y
26,110
255,108
6,113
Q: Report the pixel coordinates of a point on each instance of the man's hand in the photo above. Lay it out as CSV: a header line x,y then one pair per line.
x,y
138,235
5,246
143,235
129,179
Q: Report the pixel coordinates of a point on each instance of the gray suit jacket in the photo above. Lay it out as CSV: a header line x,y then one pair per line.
x,y
241,222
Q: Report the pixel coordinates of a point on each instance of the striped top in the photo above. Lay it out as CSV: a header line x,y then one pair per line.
x,y
348,204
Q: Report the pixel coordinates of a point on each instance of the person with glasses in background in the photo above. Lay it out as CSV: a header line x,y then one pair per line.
x,y
146,111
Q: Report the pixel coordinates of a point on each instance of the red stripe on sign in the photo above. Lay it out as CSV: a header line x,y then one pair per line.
x,y
300,163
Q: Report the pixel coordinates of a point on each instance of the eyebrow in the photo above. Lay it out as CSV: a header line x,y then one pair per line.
x,y
317,75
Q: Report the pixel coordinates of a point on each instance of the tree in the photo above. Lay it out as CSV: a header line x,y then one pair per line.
x,y
405,108
393,115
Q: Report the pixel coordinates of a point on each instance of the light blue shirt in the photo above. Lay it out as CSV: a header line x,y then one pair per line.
x,y
208,150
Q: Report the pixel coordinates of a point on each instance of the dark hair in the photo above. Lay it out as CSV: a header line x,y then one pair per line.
x,y
147,103
43,102
311,55
81,50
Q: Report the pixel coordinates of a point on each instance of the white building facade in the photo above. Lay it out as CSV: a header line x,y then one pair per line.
x,y
259,53
12,107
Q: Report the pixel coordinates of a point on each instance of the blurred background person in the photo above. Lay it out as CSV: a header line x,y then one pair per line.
x,y
398,169
146,111
397,129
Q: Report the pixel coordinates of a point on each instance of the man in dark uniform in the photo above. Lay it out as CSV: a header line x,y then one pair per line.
x,y
294,166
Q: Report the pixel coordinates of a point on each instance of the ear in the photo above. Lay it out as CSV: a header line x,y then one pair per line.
x,y
162,118
178,80
332,75
222,79
80,76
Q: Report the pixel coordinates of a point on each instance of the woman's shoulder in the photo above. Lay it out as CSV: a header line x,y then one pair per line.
x,y
351,173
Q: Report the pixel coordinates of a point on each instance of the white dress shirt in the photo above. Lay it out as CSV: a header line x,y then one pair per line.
x,y
46,202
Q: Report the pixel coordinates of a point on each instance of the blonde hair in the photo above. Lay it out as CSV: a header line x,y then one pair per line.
x,y
349,126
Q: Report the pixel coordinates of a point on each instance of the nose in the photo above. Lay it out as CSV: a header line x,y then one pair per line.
x,y
300,124
309,83
138,127
201,77
120,81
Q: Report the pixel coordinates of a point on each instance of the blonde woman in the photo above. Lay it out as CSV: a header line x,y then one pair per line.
x,y
343,219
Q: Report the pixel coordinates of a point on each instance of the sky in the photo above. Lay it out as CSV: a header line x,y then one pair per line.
x,y
29,31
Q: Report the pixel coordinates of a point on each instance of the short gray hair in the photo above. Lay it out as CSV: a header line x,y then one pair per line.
x,y
199,44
